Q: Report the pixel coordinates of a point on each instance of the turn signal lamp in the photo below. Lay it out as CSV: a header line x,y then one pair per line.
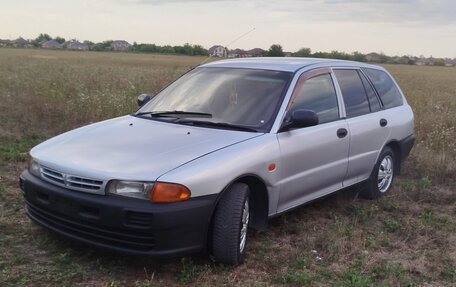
x,y
169,192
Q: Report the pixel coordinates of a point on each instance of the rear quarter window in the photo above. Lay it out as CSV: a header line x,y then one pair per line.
x,y
371,95
386,88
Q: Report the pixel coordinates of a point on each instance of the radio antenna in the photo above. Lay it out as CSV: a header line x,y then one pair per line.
x,y
238,38
231,43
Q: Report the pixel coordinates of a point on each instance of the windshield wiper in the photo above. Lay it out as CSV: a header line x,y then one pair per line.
x,y
216,124
172,113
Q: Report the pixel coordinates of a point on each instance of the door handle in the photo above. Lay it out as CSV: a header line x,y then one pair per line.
x,y
383,122
341,133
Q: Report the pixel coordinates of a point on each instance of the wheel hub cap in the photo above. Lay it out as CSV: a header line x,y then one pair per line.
x,y
245,224
385,173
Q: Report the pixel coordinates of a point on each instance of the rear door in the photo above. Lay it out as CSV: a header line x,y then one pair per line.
x,y
313,159
368,127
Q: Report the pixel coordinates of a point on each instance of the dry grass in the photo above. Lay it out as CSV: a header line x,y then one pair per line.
x,y
48,92
405,239
431,91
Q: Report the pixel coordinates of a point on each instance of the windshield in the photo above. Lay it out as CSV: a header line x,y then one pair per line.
x,y
238,97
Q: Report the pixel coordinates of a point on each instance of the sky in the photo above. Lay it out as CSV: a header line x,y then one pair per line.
x,y
394,27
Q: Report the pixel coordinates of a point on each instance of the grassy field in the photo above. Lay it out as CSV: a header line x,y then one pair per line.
x,y
407,238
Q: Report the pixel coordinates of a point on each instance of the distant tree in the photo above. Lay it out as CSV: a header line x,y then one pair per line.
x,y
42,37
403,60
168,50
59,39
439,62
103,46
320,55
146,48
275,51
187,49
384,58
198,50
303,52
357,56
339,55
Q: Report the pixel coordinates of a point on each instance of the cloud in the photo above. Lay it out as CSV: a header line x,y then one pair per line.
x,y
163,2
395,10
410,12
404,11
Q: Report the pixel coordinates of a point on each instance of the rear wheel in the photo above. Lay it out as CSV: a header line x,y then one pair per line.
x,y
382,176
231,221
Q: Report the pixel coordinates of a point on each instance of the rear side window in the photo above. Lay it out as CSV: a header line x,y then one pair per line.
x,y
353,92
318,95
371,95
386,89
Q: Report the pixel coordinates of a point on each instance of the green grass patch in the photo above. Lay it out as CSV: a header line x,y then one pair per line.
x,y
189,271
15,150
391,225
294,277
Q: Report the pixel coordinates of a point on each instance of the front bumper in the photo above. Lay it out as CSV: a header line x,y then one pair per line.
x,y
119,224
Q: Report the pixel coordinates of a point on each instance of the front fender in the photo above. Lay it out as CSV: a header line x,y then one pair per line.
x,y
211,173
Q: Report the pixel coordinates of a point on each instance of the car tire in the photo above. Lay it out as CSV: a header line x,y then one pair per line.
x,y
382,176
230,224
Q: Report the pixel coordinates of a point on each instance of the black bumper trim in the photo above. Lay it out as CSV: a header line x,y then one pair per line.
x,y
67,226
119,224
406,146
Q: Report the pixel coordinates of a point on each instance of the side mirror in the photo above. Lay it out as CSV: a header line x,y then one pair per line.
x,y
300,119
143,99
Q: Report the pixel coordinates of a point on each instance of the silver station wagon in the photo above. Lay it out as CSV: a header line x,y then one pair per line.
x,y
222,149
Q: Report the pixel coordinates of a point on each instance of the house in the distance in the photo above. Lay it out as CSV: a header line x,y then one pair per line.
x,y
51,44
5,43
373,57
450,62
21,43
240,53
120,45
76,45
237,53
218,51
256,52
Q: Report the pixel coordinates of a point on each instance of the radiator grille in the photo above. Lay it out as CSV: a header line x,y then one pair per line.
x,y
72,181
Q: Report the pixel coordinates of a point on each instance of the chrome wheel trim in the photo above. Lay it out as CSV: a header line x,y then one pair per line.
x,y
245,224
385,173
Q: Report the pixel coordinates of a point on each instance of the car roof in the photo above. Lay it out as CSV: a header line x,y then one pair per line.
x,y
288,64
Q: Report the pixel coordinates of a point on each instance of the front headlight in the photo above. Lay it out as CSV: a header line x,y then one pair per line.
x,y
134,189
34,167
158,192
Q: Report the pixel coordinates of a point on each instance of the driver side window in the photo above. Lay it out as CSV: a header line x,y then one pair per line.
x,y
318,94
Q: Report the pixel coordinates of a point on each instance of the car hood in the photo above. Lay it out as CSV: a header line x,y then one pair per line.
x,y
131,148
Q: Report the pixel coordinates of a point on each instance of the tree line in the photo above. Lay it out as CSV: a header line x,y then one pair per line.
x,y
186,49
275,50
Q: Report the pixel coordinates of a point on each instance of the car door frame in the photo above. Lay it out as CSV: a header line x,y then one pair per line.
x,y
300,78
291,93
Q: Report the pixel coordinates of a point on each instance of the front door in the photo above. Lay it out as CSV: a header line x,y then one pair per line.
x,y
314,159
